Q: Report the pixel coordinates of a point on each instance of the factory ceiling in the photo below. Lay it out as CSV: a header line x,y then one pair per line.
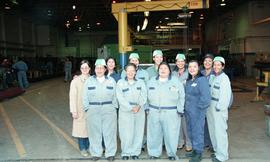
x,y
95,15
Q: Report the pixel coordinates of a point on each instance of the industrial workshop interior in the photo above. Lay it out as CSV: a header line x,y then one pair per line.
x,y
42,44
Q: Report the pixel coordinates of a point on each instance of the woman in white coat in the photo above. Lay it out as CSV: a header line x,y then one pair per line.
x,y
79,129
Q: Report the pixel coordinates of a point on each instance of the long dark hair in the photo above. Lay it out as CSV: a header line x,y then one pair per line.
x,y
107,59
165,63
199,73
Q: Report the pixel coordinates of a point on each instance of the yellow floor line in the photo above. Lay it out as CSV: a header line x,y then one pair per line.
x,y
51,124
14,135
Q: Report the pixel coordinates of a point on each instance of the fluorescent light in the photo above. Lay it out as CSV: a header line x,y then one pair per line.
x,y
74,7
191,12
76,18
166,18
175,23
138,28
98,23
146,13
223,3
145,23
171,27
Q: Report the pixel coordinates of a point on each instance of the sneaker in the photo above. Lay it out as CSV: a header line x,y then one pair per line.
x,y
84,153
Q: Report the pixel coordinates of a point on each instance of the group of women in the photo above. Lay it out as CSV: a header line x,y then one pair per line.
x,y
168,100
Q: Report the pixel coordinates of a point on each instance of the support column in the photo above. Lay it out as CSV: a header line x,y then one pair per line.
x,y
20,36
123,36
3,34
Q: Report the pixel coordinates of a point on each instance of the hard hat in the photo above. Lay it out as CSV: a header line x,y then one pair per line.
x,y
180,56
100,62
220,59
157,53
134,55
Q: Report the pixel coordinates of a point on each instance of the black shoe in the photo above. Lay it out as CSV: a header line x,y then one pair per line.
x,y
94,158
135,157
191,154
172,158
215,160
153,157
213,155
196,158
110,158
125,158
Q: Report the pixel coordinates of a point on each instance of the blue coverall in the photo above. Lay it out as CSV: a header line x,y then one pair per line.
x,y
131,125
217,114
165,101
100,103
21,68
68,69
207,140
197,101
115,76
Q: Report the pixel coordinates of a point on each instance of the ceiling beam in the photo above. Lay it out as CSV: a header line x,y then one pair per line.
x,y
262,21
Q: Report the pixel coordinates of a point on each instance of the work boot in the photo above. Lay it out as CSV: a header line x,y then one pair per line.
x,y
196,158
191,154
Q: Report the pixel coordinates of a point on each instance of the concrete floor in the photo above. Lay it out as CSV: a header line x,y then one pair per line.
x,y
36,126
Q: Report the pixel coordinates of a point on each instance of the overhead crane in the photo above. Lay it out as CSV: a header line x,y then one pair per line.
x,y
120,11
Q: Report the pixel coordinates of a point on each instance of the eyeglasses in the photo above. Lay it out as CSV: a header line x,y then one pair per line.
x,y
85,68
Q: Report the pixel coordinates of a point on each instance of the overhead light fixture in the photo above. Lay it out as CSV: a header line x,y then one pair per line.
x,y
113,1
49,13
98,23
191,12
157,27
74,7
138,28
172,27
145,23
7,7
160,21
146,13
222,3
80,28
67,24
176,23
166,18
201,18
14,2
88,26
76,18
